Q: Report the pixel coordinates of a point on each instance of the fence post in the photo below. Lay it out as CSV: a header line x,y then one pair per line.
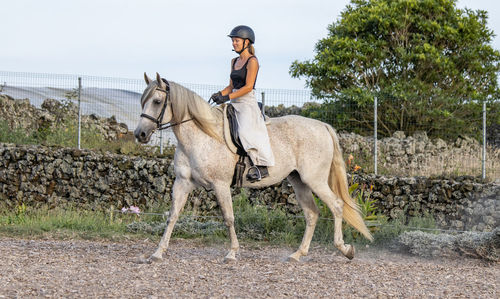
x,y
263,103
375,134
79,112
483,162
161,142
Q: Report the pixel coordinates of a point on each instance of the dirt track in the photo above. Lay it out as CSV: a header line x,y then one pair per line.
x,y
52,268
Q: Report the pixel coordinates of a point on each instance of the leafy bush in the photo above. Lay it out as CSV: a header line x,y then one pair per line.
x,y
429,63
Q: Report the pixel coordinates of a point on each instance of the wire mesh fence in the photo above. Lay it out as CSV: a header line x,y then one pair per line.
x,y
118,97
407,141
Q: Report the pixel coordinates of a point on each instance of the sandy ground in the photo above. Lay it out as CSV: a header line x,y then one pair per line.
x,y
190,269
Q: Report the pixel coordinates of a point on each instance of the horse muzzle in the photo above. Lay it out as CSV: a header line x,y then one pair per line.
x,y
142,136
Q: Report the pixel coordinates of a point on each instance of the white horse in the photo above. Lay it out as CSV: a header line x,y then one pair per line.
x,y
306,151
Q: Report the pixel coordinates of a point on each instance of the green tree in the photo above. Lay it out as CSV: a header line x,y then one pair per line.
x,y
429,63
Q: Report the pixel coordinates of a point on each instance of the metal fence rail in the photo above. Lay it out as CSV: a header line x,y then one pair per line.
x,y
119,97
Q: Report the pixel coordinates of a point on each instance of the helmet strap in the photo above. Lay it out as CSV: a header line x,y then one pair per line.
x,y
243,49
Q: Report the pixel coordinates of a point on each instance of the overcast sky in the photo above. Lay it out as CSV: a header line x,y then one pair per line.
x,y
184,40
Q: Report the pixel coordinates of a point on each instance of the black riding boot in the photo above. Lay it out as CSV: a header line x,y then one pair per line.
x,y
257,173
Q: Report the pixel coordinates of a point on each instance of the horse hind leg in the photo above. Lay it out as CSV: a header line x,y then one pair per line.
x,y
336,205
311,214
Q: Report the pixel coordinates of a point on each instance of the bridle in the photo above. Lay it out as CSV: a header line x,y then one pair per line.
x,y
157,121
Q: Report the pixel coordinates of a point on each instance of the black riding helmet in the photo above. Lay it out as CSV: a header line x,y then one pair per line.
x,y
243,32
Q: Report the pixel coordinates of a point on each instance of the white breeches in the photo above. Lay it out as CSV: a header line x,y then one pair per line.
x,y
252,130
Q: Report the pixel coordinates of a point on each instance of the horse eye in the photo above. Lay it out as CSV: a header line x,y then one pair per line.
x,y
157,101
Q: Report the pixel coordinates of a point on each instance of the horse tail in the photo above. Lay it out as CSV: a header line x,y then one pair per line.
x,y
338,183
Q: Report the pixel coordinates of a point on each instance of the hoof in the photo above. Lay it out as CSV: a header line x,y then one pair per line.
x,y
230,256
350,253
229,259
292,259
142,260
155,259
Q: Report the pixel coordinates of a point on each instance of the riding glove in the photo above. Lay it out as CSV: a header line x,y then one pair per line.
x,y
219,98
214,96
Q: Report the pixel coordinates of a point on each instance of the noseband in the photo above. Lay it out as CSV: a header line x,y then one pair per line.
x,y
157,121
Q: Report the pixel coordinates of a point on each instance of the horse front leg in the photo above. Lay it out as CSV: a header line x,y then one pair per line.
x,y
180,191
223,194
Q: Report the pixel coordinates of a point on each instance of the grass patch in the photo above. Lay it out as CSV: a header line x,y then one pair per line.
x,y
65,223
258,223
253,223
14,135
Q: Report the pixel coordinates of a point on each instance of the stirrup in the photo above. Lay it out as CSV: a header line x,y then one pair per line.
x,y
257,173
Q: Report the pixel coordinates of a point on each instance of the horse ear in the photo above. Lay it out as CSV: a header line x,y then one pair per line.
x,y
160,81
147,79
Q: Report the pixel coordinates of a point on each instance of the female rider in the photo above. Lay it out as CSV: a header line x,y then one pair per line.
x,y
240,91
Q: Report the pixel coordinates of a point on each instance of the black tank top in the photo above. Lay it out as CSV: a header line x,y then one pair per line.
x,y
239,77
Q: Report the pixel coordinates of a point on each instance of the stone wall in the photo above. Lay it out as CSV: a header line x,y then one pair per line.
x,y
462,203
37,175
493,135
418,155
398,155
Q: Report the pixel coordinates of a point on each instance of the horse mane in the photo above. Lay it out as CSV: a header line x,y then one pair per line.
x,y
187,104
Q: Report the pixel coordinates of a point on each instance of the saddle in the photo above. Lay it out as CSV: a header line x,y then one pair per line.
x,y
233,142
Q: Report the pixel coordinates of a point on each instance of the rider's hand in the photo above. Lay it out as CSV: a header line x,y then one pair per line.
x,y
214,96
219,98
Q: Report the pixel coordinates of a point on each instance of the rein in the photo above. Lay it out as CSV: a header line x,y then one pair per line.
x,y
157,121
168,125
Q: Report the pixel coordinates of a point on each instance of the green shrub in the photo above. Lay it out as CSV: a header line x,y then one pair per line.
x,y
257,222
14,135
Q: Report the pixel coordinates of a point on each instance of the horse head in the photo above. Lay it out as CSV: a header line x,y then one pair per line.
x,y
156,108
